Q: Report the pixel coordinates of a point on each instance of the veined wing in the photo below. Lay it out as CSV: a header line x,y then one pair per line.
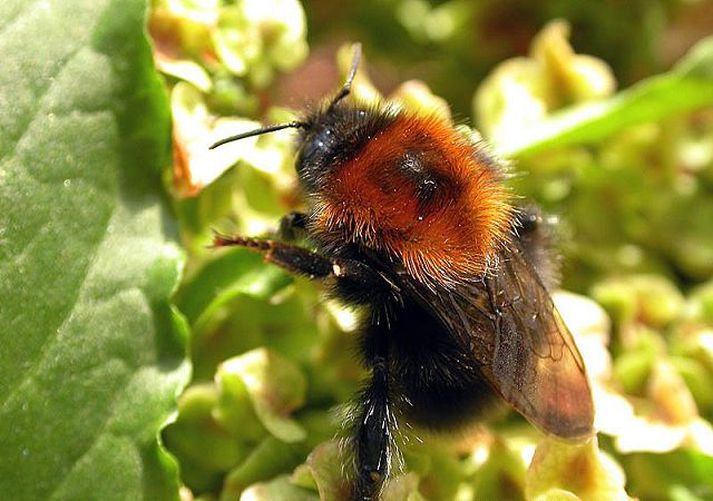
x,y
508,321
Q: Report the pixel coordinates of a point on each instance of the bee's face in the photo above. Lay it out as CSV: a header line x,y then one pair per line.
x,y
332,137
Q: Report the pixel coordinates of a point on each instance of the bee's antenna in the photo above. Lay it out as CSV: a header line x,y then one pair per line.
x,y
344,92
257,132
347,87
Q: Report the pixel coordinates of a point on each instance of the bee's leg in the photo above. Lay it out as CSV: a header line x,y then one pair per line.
x,y
535,234
290,257
374,423
292,226
350,276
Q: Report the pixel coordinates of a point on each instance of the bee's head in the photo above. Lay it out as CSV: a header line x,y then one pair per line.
x,y
333,135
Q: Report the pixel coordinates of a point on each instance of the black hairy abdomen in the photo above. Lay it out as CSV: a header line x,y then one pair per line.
x,y
438,383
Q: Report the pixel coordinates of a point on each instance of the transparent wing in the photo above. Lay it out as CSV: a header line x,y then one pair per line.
x,y
510,324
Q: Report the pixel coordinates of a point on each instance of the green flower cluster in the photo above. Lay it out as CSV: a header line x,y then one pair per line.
x,y
629,174
219,58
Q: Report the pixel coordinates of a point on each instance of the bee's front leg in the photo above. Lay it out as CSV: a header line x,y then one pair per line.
x,y
348,274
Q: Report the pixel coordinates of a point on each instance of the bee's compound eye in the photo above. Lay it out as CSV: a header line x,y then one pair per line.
x,y
311,148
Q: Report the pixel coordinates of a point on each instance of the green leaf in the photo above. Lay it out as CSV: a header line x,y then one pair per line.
x,y
196,438
573,470
232,273
271,383
270,458
502,476
688,86
681,474
92,352
324,464
279,489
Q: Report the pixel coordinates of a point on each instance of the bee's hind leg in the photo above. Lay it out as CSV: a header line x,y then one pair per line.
x,y
373,423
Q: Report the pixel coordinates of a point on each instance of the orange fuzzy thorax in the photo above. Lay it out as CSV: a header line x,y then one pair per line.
x,y
374,202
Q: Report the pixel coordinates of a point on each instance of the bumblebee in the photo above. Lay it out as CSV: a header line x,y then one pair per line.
x,y
410,220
